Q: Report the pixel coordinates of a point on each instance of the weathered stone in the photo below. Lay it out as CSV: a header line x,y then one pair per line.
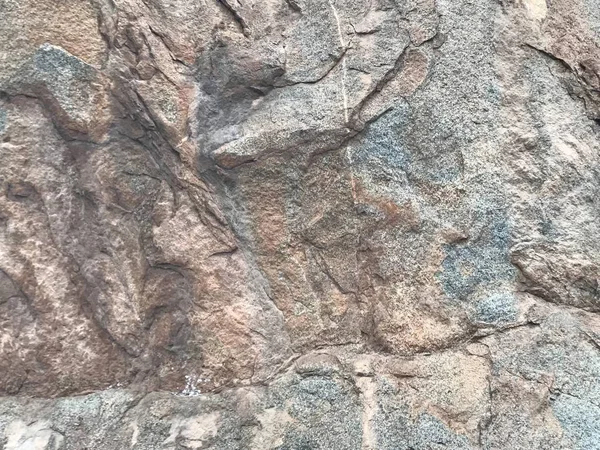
x,y
299,224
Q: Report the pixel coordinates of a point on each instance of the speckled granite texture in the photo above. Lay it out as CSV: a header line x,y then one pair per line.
x,y
299,224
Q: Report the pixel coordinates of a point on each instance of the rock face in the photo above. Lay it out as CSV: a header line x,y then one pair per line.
x,y
299,224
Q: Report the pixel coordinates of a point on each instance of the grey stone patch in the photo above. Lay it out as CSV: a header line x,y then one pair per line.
x,y
557,232
431,433
58,65
36,436
425,148
380,156
166,421
63,74
593,14
446,121
296,412
479,263
451,132
326,413
121,419
497,308
3,120
72,89
312,45
558,346
396,429
91,415
581,421
522,417
309,87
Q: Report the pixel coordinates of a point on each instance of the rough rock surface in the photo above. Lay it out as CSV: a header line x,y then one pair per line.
x,y
299,224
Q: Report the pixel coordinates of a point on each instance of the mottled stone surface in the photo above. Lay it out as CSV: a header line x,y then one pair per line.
x,y
299,224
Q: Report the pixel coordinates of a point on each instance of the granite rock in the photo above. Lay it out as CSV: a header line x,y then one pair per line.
x,y
299,224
